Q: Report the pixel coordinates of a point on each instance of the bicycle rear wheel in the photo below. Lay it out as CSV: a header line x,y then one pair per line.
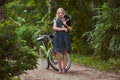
x,y
53,61
43,59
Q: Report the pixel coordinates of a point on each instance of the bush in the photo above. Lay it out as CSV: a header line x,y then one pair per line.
x,y
105,38
15,56
26,33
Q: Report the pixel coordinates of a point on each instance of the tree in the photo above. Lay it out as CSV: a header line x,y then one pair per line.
x,y
15,56
105,36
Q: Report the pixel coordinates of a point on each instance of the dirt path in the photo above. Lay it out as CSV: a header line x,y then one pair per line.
x,y
76,72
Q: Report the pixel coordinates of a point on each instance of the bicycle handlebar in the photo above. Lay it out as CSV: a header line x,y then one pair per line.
x,y
40,37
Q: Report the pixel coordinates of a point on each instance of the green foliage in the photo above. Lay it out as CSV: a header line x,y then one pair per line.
x,y
104,38
15,56
115,63
35,17
26,32
31,10
92,61
81,23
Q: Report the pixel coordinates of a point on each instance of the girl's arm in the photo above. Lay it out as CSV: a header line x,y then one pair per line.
x,y
57,28
68,27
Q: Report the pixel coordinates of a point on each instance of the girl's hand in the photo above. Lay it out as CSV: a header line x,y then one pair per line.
x,y
69,28
65,29
64,22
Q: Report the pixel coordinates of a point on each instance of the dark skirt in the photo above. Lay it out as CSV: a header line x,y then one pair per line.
x,y
61,42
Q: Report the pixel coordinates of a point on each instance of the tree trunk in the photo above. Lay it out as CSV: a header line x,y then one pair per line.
x,y
1,13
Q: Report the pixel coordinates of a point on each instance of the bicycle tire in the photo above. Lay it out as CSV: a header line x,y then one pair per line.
x,y
54,64
43,59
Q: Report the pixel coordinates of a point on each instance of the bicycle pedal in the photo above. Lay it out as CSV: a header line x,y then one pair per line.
x,y
55,63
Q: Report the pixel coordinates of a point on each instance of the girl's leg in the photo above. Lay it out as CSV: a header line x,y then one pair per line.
x,y
64,60
59,61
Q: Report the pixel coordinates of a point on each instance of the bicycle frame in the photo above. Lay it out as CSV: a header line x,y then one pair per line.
x,y
46,47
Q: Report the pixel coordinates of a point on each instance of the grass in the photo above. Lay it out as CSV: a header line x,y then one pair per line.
x,y
92,61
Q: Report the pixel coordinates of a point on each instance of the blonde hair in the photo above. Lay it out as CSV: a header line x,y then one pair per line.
x,y
60,9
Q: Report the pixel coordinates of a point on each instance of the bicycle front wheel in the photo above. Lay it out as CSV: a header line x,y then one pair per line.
x,y
53,61
43,59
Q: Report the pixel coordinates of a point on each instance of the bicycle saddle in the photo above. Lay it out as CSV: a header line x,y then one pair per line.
x,y
40,38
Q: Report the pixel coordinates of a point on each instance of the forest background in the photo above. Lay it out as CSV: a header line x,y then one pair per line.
x,y
95,33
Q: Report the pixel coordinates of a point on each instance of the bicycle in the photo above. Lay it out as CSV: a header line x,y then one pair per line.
x,y
47,55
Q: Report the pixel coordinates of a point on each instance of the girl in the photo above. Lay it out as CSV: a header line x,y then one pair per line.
x,y
61,41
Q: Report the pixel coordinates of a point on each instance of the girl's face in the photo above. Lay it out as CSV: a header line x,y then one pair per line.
x,y
60,14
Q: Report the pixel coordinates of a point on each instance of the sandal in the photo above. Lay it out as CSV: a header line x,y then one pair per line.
x,y
59,71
